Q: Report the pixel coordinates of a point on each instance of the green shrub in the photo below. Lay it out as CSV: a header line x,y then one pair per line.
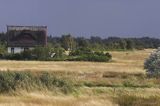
x,y
58,54
85,54
39,53
152,64
50,81
91,57
27,55
16,56
81,51
14,81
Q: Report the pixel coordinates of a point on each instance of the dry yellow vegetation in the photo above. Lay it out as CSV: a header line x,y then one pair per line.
x,y
36,99
129,61
123,61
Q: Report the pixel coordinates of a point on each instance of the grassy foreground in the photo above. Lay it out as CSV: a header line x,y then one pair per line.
x,y
121,82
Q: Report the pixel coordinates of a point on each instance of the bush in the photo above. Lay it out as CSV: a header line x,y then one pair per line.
x,y
27,55
16,56
84,54
152,64
14,81
58,54
91,57
81,51
39,53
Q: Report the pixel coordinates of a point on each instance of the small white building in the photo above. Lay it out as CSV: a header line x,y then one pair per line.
x,y
21,38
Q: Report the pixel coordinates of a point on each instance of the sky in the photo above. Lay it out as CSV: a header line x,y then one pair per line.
x,y
122,18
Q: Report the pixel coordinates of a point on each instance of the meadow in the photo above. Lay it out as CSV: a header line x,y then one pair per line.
x,y
121,82
123,61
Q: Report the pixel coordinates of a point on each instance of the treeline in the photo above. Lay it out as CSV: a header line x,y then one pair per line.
x,y
58,49
98,43
69,48
68,42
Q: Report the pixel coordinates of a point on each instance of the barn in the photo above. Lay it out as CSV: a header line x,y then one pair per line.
x,y
22,38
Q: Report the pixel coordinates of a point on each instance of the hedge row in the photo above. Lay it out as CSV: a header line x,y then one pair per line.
x,y
47,54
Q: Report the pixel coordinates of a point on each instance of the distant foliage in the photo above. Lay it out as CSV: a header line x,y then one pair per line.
x,y
3,49
85,54
69,42
102,44
81,51
39,53
152,64
58,54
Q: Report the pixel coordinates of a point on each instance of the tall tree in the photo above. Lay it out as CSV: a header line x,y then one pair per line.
x,y
68,42
122,44
82,42
130,44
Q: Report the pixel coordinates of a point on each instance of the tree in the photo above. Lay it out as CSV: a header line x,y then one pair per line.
x,y
123,44
130,44
41,53
3,49
68,42
152,64
96,43
82,42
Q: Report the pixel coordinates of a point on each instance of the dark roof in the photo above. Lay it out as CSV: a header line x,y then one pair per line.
x,y
27,36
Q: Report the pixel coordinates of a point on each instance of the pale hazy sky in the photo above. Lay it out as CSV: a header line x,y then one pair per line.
x,y
131,18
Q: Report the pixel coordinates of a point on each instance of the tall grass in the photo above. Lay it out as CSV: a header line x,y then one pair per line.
x,y
14,81
133,100
122,82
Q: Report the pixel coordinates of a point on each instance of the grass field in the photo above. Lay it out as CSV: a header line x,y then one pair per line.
x,y
121,82
130,62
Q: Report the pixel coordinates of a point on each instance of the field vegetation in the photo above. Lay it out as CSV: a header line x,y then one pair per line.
x,y
121,82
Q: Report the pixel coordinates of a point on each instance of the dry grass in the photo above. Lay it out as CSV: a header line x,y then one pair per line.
x,y
128,62
91,97
39,99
